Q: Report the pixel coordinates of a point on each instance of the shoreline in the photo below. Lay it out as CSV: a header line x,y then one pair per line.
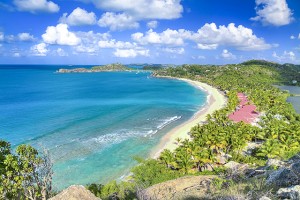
x,y
215,101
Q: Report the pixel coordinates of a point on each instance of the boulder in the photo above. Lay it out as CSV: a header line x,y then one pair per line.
x,y
289,193
294,159
283,177
250,147
296,168
75,192
275,162
235,166
264,198
223,158
181,188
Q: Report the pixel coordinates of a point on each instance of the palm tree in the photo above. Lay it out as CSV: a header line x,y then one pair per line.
x,y
183,159
167,157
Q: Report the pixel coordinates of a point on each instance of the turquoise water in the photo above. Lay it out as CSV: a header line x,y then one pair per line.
x,y
293,100
92,123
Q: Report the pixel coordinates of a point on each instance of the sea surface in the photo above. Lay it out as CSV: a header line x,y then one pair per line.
x,y
93,124
295,100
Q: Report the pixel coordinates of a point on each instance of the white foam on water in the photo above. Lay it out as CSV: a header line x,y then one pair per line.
x,y
168,121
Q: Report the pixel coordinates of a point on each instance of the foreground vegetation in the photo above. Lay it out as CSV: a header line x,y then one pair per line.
x,y
25,174
277,134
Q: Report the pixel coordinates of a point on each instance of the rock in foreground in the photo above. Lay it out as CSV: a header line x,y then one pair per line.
x,y
181,188
75,192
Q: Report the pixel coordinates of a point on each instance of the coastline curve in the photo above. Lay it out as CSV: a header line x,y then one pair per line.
x,y
215,101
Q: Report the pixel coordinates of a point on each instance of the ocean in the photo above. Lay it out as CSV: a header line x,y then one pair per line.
x,y
93,124
295,100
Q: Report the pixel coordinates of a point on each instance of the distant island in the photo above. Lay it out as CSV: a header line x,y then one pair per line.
x,y
116,67
106,68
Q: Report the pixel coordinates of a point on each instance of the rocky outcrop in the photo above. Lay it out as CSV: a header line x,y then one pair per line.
x,y
289,193
275,163
75,192
181,188
286,176
238,167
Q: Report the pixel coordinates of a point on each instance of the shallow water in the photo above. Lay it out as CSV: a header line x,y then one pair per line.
x,y
293,100
92,123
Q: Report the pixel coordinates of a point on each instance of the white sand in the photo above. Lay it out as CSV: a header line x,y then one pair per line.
x,y
215,101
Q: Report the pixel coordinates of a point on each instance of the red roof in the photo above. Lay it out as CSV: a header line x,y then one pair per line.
x,y
245,112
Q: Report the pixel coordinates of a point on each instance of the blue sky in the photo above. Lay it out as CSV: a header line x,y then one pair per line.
x,y
148,31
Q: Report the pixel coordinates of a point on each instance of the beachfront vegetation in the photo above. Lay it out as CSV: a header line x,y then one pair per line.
x,y
25,174
276,135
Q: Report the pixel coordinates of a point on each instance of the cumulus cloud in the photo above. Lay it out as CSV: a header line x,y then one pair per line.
x,y
198,57
207,46
167,37
34,6
292,37
211,36
131,53
61,52
16,55
227,55
273,12
152,24
79,17
89,42
39,49
174,50
207,37
60,35
117,21
25,37
286,56
143,9
1,36
115,44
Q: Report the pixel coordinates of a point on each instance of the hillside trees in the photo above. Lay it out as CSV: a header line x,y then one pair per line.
x,y
25,174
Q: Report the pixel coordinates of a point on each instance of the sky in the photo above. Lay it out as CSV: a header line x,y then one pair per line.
x,y
149,31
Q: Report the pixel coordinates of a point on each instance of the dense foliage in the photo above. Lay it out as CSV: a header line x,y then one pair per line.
x,y
24,175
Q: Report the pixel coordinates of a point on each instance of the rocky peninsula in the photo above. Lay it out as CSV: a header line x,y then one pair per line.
x,y
116,67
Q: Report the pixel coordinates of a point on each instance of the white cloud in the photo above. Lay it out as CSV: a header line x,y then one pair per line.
x,y
201,57
131,53
60,35
227,55
117,21
115,44
273,12
34,6
292,37
143,9
1,36
25,37
167,37
299,36
152,24
39,49
79,17
16,55
207,46
208,36
61,52
89,42
174,50
286,56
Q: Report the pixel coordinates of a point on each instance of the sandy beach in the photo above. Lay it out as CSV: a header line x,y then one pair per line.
x,y
215,101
